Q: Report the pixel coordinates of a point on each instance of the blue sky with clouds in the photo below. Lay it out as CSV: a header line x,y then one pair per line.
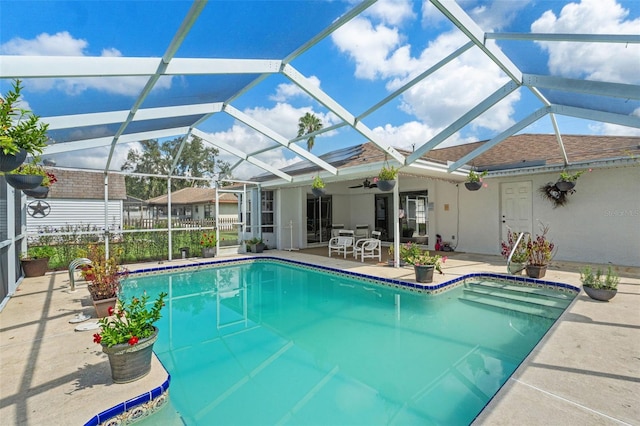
x,y
358,65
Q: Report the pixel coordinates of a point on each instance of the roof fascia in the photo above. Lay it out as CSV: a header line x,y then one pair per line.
x,y
472,114
468,26
302,82
600,88
271,134
418,78
580,38
106,141
590,114
238,153
531,118
99,118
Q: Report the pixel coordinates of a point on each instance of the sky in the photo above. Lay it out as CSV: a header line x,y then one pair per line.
x,y
358,65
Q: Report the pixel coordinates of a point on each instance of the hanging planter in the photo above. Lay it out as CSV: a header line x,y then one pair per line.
x,y
318,192
473,186
24,181
10,162
38,192
386,185
565,186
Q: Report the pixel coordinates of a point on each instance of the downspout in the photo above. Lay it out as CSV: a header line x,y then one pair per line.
x,y
396,224
106,215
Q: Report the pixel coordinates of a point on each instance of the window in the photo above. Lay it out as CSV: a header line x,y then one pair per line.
x,y
268,207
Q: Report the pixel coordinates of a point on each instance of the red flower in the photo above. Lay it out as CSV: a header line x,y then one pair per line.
x,y
110,310
97,338
133,340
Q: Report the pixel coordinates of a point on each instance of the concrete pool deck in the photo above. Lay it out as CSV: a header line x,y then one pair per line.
x,y
586,371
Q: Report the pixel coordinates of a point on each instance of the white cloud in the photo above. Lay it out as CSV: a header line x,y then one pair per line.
x,y
614,129
391,12
496,15
64,44
413,134
594,61
287,91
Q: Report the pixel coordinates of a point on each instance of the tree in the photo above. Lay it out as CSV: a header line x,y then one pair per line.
x,y
309,123
155,157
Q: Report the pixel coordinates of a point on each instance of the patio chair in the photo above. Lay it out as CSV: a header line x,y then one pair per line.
x,y
335,227
366,248
341,244
362,231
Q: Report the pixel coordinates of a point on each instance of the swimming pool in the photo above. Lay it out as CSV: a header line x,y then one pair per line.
x,y
266,342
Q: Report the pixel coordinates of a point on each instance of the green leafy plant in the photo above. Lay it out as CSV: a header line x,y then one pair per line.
x,y
540,249
318,183
476,177
19,128
423,258
254,240
596,280
105,274
387,172
209,239
39,252
570,177
520,255
129,321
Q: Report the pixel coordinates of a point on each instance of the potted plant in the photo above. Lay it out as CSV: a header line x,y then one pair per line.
x,y
104,276
568,180
520,256
21,132
474,180
36,261
317,187
208,242
27,176
598,287
539,253
256,245
424,264
127,336
386,179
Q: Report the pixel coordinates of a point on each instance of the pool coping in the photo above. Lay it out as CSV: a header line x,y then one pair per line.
x,y
147,403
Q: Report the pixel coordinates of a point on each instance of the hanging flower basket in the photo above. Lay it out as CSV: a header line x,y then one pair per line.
x,y
473,186
24,181
386,185
10,162
38,192
318,192
564,185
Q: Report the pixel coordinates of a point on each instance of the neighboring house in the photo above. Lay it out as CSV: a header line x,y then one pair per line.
x,y
135,208
194,204
600,223
77,200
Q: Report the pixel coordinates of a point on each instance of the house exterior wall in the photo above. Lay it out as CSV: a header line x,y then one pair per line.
x,y
65,213
291,211
600,223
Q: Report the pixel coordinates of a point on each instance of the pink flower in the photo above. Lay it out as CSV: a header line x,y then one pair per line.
x,y
110,310
97,338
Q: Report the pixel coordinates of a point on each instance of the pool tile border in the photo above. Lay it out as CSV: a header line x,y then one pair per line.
x,y
389,282
134,409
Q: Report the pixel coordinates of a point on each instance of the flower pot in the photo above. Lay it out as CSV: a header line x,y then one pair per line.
x,y
10,162
601,294
516,268
38,192
208,252
35,267
424,273
102,306
536,271
257,248
318,192
24,181
473,186
129,363
386,185
565,186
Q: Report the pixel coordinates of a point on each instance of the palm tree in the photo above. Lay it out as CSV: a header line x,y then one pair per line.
x,y
309,123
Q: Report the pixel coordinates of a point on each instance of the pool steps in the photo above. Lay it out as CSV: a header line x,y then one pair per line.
x,y
528,300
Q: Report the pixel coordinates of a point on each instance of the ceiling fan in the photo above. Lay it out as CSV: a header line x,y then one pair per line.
x,y
366,184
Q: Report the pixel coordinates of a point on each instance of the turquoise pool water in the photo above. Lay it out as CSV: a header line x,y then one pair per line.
x,y
266,343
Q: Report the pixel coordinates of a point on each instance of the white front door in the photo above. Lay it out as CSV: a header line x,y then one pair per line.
x,y
517,207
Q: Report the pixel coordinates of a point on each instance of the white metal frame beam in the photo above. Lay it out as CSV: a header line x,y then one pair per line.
x,y
580,38
472,114
589,114
599,88
302,82
240,154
